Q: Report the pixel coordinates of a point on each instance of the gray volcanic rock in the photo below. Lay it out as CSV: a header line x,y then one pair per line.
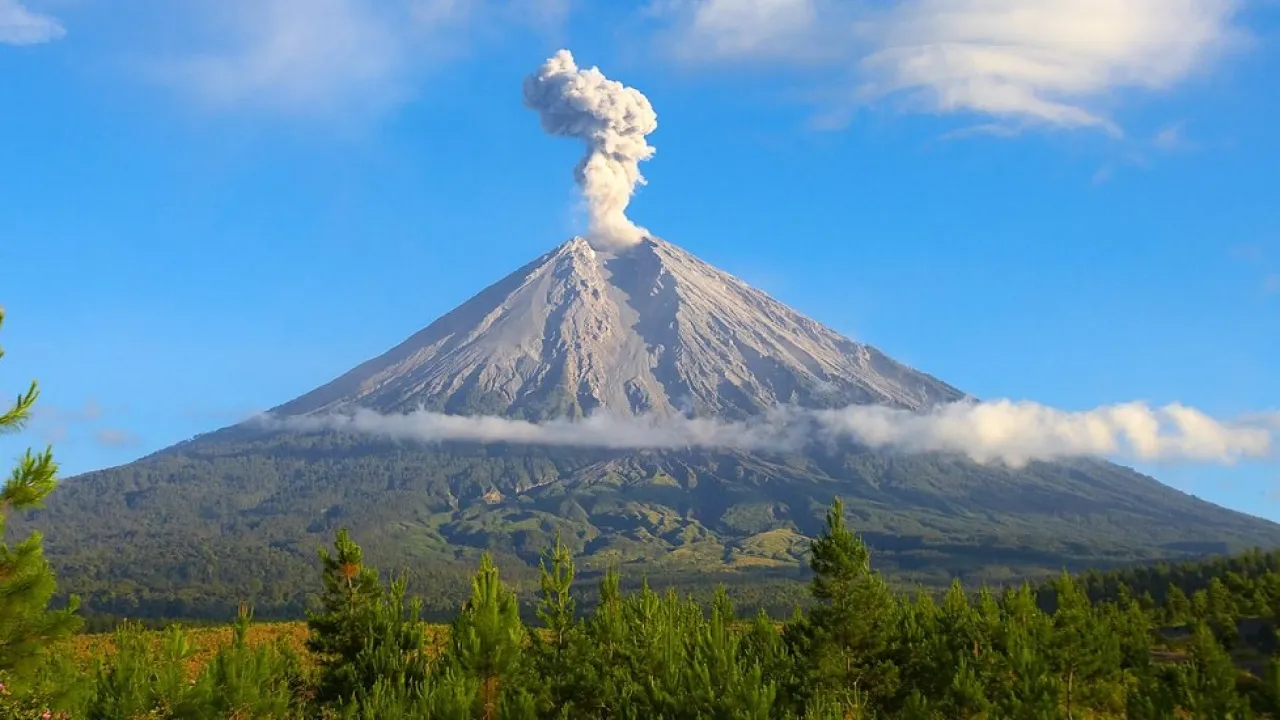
x,y
652,329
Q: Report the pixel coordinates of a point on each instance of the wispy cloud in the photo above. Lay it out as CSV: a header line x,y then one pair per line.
x,y
115,437
317,56
1171,138
304,55
984,130
1255,254
1054,63
53,424
1013,433
89,412
21,26
1139,153
1249,252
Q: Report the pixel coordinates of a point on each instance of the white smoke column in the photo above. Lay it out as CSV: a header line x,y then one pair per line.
x,y
612,120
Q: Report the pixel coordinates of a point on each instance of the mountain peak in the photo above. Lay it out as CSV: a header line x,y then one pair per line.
x,y
576,246
648,329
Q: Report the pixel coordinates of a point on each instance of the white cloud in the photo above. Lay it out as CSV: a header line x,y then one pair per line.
x,y
91,411
302,55
53,424
747,28
1173,137
1044,62
307,56
114,437
776,431
20,26
1018,432
1013,433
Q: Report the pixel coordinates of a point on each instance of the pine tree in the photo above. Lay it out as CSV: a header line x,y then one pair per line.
x,y
1033,693
557,610
27,583
719,681
1221,613
763,646
243,681
1155,696
1079,651
395,644
849,632
1177,608
960,652
918,707
602,670
359,632
966,696
913,653
1200,605
654,651
1209,679
486,641
123,683
555,648
1132,628
141,679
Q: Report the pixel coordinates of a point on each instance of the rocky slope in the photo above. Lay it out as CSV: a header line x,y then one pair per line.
x,y
650,330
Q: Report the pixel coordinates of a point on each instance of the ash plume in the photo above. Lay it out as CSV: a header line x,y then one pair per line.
x,y
613,120
1004,432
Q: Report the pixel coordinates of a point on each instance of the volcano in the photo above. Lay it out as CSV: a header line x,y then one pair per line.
x,y
651,330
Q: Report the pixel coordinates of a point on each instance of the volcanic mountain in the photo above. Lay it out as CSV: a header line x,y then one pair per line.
x,y
237,514
653,330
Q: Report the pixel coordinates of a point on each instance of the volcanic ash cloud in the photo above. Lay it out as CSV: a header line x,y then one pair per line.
x,y
613,120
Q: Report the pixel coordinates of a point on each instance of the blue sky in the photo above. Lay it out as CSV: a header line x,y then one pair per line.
x,y
208,208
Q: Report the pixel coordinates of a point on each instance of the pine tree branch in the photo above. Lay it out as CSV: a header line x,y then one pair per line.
x,y
15,418
30,482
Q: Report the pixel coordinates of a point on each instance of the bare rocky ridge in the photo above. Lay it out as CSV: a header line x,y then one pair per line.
x,y
651,329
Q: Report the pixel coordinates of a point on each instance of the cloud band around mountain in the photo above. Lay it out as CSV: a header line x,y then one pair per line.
x,y
1013,433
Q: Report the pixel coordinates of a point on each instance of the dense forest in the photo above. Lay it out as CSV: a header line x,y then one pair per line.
x,y
1197,649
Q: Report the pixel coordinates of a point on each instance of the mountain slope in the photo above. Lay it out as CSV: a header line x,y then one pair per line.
x,y
651,330
237,514
193,531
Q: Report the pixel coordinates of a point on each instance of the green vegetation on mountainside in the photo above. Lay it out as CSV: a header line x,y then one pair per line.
x,y
171,535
